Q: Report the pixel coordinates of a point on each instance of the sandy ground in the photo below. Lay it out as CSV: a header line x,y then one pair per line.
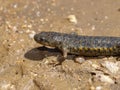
x,y
26,65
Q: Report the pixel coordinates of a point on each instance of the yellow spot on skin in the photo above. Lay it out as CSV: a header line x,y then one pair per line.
x,y
106,49
101,49
112,48
96,49
92,49
86,49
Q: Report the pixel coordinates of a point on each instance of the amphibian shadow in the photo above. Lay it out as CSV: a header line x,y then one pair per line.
x,y
39,53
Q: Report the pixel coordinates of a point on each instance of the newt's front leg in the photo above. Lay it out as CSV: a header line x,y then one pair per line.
x,y
64,55
64,52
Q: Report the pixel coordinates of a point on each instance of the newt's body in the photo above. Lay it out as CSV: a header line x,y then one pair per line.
x,y
80,45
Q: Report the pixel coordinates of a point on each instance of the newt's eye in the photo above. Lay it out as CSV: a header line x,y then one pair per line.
x,y
42,39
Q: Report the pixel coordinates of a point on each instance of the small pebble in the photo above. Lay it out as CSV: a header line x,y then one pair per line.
x,y
80,59
15,5
31,35
38,13
14,28
92,88
18,51
72,19
28,31
106,17
29,26
24,26
93,27
21,40
42,20
48,9
21,32
98,88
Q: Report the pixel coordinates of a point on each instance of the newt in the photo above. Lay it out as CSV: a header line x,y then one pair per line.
x,y
80,44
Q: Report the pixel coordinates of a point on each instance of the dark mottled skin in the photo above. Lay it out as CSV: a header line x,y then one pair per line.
x,y
80,45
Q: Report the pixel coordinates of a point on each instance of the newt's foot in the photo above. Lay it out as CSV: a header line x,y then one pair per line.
x,y
61,60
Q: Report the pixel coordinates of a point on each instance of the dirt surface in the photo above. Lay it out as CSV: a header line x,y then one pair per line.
x,y
26,65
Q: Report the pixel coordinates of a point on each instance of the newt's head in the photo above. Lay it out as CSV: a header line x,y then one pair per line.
x,y
49,38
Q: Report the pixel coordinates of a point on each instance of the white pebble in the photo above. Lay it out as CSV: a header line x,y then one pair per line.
x,y
106,17
33,32
80,59
29,26
14,28
15,6
28,31
93,27
38,13
72,9
17,51
31,35
72,19
112,67
42,20
20,32
88,24
98,88
21,40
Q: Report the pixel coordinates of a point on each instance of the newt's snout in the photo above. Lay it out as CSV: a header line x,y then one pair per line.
x,y
36,37
42,38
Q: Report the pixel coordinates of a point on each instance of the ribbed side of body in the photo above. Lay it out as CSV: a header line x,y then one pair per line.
x,y
92,45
